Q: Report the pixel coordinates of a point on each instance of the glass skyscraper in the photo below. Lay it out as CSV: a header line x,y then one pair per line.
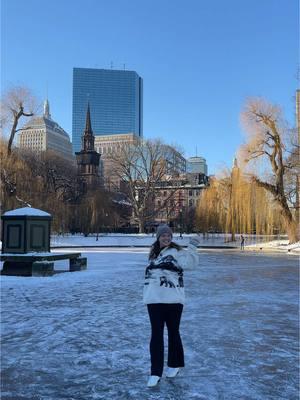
x,y
196,165
116,102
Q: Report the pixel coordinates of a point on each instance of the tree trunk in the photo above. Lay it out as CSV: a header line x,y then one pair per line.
x,y
293,232
141,225
291,225
12,133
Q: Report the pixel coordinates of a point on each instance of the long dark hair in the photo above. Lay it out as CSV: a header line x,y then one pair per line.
x,y
156,249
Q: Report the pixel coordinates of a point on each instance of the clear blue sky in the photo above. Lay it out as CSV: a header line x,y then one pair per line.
x,y
199,59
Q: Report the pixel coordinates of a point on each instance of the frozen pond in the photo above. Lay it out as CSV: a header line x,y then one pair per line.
x,y
85,335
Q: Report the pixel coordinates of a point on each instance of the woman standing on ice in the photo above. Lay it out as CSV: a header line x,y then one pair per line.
x,y
164,297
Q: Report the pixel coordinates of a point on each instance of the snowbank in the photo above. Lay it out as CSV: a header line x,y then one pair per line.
x,y
276,245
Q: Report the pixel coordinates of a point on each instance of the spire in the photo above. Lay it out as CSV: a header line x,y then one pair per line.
x,y
235,163
88,138
88,126
47,109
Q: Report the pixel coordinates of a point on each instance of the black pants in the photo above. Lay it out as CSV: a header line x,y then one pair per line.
x,y
159,315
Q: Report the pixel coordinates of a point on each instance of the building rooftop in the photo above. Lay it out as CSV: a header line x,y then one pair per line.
x,y
42,122
45,121
27,211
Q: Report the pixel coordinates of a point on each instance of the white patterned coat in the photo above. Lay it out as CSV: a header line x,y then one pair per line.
x,y
164,275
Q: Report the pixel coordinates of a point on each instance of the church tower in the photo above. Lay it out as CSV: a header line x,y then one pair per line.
x,y
88,159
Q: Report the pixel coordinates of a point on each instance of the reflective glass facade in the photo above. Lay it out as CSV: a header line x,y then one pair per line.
x,y
196,165
116,102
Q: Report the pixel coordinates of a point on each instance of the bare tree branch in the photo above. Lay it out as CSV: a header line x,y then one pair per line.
x,y
142,165
16,103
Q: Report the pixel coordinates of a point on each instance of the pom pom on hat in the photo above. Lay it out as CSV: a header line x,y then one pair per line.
x,y
163,229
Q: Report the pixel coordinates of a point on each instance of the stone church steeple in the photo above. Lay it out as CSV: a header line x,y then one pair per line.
x,y
88,138
88,159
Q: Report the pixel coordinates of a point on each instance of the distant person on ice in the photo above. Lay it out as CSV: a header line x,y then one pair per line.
x,y
242,242
164,297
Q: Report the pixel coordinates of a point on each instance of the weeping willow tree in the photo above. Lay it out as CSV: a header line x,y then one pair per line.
x,y
15,182
233,204
267,157
30,179
210,213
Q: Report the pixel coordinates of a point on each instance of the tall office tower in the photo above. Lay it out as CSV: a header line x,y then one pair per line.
x,y
41,133
116,101
196,165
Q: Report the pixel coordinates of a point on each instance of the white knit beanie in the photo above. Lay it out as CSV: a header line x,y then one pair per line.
x,y
163,229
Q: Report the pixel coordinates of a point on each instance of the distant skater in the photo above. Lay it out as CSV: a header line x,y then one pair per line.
x,y
242,242
164,297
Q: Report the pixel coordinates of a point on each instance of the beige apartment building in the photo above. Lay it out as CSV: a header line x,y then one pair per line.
x,y
106,145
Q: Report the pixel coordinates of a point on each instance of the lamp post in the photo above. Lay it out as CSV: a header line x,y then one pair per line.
x,y
180,221
106,221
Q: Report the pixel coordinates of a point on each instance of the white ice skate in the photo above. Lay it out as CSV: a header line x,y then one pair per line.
x,y
172,372
153,381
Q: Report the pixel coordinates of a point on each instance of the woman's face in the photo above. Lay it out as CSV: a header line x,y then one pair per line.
x,y
165,239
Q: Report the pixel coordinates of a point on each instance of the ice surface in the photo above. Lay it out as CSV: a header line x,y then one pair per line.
x,y
253,242
85,335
